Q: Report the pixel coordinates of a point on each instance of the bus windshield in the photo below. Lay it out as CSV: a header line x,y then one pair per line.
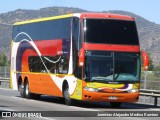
x,y
110,31
105,66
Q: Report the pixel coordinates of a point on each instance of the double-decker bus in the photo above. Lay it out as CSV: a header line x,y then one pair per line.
x,y
79,56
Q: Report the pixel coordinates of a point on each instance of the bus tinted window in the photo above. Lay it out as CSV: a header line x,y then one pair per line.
x,y
110,31
45,30
44,64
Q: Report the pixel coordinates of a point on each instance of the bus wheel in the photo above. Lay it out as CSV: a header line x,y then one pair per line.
x,y
27,94
67,99
115,104
21,90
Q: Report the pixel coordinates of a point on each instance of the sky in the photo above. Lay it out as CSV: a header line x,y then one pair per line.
x,y
148,9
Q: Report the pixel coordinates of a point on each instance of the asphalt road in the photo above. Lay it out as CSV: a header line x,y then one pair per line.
x,y
54,108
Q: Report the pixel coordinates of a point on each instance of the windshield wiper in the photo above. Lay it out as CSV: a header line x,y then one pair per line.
x,y
127,81
95,79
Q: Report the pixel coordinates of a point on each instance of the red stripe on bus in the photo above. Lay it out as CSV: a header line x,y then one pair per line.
x,y
106,16
125,48
49,47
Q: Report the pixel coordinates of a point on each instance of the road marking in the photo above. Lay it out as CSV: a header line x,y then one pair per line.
x,y
6,89
75,107
4,109
155,109
46,118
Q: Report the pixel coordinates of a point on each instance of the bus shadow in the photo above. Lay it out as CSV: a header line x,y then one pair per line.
x,y
83,104
88,104
98,105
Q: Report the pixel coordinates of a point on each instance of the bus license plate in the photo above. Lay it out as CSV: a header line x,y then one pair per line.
x,y
112,98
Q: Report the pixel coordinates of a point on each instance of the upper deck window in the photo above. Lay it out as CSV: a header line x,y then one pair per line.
x,y
111,31
44,30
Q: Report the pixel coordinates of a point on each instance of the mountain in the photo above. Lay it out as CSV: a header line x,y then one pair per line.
x,y
148,31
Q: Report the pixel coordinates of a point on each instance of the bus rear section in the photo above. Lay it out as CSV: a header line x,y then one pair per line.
x,y
40,56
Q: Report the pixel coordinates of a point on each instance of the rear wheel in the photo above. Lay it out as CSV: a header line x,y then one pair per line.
x,y
21,90
27,93
115,104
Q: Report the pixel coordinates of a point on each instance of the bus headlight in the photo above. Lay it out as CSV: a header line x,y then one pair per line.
x,y
133,90
91,89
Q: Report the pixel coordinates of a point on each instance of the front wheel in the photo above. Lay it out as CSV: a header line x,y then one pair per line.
x,y
67,99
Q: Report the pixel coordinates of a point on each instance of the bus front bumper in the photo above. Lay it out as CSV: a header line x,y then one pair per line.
x,y
110,97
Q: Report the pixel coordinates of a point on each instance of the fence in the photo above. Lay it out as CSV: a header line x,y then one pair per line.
x,y
5,72
150,80
152,94
4,75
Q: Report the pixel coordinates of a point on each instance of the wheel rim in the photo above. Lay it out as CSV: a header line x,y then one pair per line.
x,y
27,91
21,89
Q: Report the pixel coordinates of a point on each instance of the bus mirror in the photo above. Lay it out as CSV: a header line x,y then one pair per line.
x,y
81,57
145,58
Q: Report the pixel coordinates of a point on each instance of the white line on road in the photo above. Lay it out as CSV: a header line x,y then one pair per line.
x,y
6,89
4,109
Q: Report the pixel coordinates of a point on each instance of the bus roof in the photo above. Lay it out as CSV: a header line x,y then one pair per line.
x,y
43,19
85,15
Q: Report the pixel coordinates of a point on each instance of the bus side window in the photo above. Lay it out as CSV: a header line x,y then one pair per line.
x,y
63,66
77,43
35,64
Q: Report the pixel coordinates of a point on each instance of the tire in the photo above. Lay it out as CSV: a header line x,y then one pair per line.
x,y
115,104
68,101
21,90
27,93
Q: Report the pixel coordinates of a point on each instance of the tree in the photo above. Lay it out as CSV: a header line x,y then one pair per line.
x,y
3,60
151,66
